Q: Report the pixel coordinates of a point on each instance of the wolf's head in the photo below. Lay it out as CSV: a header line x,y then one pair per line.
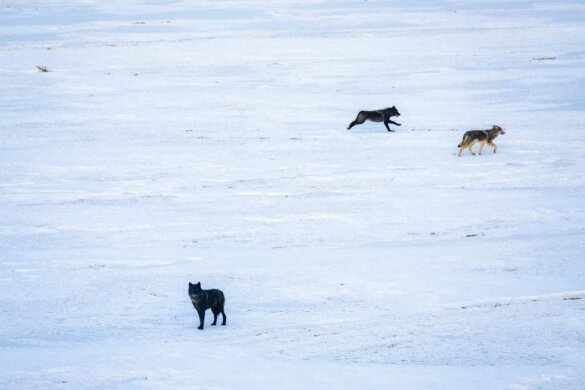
x,y
394,111
498,130
194,289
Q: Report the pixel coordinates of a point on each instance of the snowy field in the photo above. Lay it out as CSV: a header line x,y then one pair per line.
x,y
206,141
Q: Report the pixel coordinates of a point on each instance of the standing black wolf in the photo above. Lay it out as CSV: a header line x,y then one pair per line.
x,y
207,299
383,115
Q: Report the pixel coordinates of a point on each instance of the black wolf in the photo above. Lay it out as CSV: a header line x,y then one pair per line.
x,y
482,136
383,115
207,299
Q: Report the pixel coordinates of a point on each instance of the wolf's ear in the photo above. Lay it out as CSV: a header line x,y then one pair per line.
x,y
190,284
198,284
393,106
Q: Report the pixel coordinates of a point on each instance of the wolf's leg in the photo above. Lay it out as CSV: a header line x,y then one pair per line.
x,y
481,145
215,313
461,150
360,118
493,146
471,150
394,123
223,315
387,127
201,318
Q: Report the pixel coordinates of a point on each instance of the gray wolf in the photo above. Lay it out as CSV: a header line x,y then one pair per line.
x,y
382,115
484,137
207,299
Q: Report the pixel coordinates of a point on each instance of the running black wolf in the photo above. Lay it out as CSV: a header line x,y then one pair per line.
x,y
484,137
383,115
207,299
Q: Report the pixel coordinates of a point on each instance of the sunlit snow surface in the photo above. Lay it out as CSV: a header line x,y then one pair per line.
x,y
206,141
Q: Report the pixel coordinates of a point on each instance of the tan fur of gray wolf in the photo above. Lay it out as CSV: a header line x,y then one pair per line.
x,y
484,137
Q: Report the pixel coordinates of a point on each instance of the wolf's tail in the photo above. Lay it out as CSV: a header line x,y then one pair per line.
x,y
463,141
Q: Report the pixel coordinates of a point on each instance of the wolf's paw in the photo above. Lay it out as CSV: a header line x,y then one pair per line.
x,y
213,324
398,124
200,327
223,324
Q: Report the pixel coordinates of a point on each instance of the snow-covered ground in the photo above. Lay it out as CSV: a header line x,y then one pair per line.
x,y
205,141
